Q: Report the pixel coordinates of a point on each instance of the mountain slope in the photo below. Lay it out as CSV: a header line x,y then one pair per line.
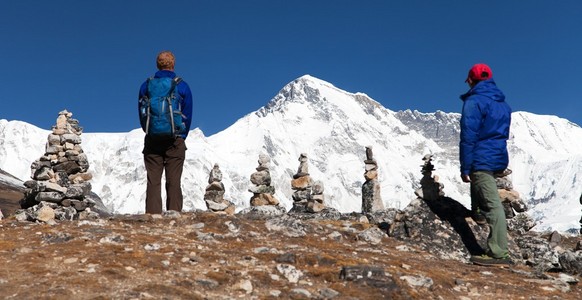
x,y
332,127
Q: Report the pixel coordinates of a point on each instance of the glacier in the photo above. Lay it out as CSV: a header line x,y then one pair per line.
x,y
332,127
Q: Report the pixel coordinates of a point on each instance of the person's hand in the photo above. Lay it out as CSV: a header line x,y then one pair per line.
x,y
465,178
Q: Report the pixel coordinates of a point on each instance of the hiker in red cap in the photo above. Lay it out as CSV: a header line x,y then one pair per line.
x,y
485,123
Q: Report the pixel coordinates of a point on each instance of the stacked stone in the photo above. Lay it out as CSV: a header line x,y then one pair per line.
x,y
263,192
371,198
510,198
307,195
315,204
430,187
214,194
60,177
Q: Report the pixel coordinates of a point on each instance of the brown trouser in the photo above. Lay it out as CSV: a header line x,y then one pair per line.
x,y
160,156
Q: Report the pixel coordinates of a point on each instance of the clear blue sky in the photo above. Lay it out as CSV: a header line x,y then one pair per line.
x,y
91,56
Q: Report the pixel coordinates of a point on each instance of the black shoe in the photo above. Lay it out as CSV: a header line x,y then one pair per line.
x,y
478,218
485,260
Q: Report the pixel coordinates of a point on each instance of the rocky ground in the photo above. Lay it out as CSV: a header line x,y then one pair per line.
x,y
204,255
208,256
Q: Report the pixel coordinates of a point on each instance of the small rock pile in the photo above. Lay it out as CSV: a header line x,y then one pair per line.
x,y
263,191
214,193
307,195
510,198
371,198
59,188
430,187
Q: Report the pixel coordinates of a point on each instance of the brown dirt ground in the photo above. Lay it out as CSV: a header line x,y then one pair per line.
x,y
109,259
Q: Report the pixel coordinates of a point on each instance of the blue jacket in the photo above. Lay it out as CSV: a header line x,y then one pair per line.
x,y
185,93
485,123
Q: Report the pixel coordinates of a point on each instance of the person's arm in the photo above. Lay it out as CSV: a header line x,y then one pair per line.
x,y
187,100
470,125
140,105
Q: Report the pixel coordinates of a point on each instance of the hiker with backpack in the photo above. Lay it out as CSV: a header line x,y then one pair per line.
x,y
165,113
485,122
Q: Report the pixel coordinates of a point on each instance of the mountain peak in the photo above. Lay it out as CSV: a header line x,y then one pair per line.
x,y
312,81
308,89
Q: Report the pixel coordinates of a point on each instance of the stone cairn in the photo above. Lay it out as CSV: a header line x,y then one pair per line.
x,y
371,198
510,198
307,195
214,194
263,191
430,187
59,188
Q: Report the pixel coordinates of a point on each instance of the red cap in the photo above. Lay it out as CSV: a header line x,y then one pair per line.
x,y
479,72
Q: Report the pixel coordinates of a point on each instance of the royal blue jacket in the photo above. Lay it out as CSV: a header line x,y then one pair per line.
x,y
485,123
185,93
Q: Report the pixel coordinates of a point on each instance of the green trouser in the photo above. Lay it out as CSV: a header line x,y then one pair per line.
x,y
484,194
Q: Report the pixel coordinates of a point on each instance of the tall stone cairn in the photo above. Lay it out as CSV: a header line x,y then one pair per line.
x,y
60,178
510,198
430,187
263,191
307,195
371,198
214,194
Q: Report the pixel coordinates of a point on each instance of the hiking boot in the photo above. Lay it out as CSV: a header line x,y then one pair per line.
x,y
478,217
486,260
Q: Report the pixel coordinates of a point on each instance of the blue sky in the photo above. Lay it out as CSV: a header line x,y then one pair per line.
x,y
90,57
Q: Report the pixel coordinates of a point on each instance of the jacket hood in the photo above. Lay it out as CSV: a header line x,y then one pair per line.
x,y
486,88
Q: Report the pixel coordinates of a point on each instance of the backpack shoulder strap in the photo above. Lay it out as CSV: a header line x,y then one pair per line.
x,y
175,83
147,84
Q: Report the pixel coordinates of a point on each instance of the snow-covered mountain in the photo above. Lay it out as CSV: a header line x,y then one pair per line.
x,y
333,127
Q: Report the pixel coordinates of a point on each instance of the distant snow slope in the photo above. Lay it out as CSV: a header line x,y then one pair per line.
x,y
333,127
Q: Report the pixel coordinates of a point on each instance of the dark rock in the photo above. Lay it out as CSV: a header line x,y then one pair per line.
x,y
571,262
287,258
78,205
509,213
62,179
371,200
74,192
352,273
54,197
70,167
